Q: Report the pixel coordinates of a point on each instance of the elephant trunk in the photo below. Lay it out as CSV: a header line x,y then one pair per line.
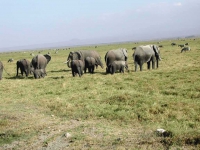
x,y
69,64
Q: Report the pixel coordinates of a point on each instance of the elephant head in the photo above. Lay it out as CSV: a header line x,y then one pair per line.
x,y
157,52
99,62
73,56
125,53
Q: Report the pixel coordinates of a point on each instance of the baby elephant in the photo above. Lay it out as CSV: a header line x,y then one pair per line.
x,y
90,63
38,73
117,65
77,67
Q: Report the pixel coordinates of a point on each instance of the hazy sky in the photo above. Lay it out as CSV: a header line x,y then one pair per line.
x,y
30,22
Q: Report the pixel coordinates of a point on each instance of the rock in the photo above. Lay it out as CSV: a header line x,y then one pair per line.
x,y
163,133
67,135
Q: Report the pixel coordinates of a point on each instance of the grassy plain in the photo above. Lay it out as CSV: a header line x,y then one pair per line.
x,y
99,111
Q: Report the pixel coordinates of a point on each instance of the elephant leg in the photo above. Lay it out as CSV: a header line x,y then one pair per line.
x,y
136,64
73,73
112,71
79,72
153,64
148,65
141,67
92,69
157,63
122,70
22,72
17,71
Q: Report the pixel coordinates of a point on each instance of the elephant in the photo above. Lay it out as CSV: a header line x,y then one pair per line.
x,y
1,70
81,55
40,62
24,66
38,73
185,49
146,54
90,63
117,65
115,55
77,66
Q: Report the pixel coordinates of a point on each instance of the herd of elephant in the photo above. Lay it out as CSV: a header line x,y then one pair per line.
x,y
80,61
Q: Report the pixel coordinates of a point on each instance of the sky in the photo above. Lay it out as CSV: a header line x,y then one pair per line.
x,y
34,22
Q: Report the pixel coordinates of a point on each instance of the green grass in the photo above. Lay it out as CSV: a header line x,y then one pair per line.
x,y
104,111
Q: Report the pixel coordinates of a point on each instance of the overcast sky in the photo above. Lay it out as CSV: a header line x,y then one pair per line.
x,y
30,22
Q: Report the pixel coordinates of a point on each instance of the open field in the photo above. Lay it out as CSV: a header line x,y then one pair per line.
x,y
99,111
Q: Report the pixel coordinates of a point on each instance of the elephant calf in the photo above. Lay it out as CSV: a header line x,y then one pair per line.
x,y
117,65
1,70
90,63
24,66
77,66
38,73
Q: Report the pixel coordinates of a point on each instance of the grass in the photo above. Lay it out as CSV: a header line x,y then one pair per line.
x,y
102,111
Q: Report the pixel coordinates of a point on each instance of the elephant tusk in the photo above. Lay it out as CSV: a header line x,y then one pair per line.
x,y
66,62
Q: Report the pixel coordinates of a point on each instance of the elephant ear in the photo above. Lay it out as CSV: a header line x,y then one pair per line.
x,y
156,50
48,57
125,53
70,57
79,56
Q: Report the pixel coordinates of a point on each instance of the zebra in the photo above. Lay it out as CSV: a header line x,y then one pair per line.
x,y
10,60
173,44
181,45
185,49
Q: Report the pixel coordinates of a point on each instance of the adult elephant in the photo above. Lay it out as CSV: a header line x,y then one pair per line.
x,y
146,54
81,55
115,55
39,64
1,70
24,66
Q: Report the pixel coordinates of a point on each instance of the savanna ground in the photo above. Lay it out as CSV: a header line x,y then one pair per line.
x,y
99,111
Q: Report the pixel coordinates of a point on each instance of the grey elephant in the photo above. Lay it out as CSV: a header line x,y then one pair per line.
x,y
40,62
39,73
1,70
82,54
90,64
117,66
115,55
24,66
146,54
77,67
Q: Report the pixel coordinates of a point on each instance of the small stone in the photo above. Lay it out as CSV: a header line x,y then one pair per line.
x,y
67,135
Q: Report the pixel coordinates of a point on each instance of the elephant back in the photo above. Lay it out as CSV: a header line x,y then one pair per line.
x,y
39,62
